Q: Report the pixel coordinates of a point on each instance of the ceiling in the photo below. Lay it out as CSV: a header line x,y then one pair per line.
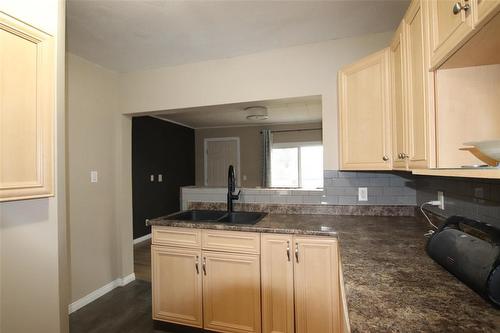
x,y
280,111
133,35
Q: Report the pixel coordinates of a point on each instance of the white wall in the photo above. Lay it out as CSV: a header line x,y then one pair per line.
x,y
94,234
32,232
290,72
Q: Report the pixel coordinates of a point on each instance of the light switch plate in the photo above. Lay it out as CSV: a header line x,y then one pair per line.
x,y
93,177
362,194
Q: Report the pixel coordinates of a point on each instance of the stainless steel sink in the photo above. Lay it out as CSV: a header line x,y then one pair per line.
x,y
242,217
218,216
197,215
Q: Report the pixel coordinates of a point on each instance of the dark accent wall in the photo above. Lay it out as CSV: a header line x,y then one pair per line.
x,y
473,198
159,147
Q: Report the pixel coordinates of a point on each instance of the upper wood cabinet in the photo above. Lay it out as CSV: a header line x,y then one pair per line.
x,y
419,89
399,107
451,23
26,111
484,10
364,114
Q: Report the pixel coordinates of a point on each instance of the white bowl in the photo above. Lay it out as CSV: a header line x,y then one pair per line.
x,y
490,148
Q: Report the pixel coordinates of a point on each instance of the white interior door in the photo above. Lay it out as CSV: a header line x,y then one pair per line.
x,y
220,153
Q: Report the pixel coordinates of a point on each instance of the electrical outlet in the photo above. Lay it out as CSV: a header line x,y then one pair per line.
x,y
152,178
441,200
160,178
362,194
93,176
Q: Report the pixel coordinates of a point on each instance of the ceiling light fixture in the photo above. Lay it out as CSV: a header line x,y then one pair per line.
x,y
257,113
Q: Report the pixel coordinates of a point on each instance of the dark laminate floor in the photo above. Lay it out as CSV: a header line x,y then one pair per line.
x,y
125,309
142,260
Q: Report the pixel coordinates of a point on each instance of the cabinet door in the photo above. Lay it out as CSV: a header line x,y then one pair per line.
x,y
177,285
277,283
448,30
364,110
316,272
484,10
231,292
398,90
26,111
417,151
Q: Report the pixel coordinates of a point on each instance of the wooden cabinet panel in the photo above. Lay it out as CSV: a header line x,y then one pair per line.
x,y
316,283
171,236
231,241
417,79
398,89
26,111
364,111
484,10
277,283
448,30
177,285
231,292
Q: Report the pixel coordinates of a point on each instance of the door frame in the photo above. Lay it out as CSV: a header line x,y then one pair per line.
x,y
205,157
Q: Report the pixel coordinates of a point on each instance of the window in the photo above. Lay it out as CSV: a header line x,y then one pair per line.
x,y
297,165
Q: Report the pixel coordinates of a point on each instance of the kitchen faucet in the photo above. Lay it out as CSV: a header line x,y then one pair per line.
x,y
231,187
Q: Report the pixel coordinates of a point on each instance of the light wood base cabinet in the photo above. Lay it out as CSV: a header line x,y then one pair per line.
x,y
231,292
296,277
278,311
177,285
312,303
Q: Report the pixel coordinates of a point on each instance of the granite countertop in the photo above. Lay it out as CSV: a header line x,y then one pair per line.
x,y
391,284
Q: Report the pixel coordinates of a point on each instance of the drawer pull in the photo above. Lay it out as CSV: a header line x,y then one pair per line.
x,y
297,252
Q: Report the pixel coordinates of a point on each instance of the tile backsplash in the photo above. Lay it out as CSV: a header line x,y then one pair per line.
x,y
384,188
472,198
477,199
340,188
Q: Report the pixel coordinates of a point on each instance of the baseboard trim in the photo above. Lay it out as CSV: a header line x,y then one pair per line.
x,y
120,282
142,239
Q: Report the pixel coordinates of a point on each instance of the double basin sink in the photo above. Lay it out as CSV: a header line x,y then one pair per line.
x,y
218,216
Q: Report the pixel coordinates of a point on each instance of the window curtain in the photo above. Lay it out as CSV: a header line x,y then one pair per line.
x,y
267,142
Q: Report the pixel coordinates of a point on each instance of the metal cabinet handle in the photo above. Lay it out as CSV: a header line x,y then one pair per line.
x,y
288,250
196,265
204,266
385,158
297,252
457,7
400,156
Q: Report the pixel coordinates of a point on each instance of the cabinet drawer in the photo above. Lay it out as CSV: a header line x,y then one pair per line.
x,y
230,241
182,237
